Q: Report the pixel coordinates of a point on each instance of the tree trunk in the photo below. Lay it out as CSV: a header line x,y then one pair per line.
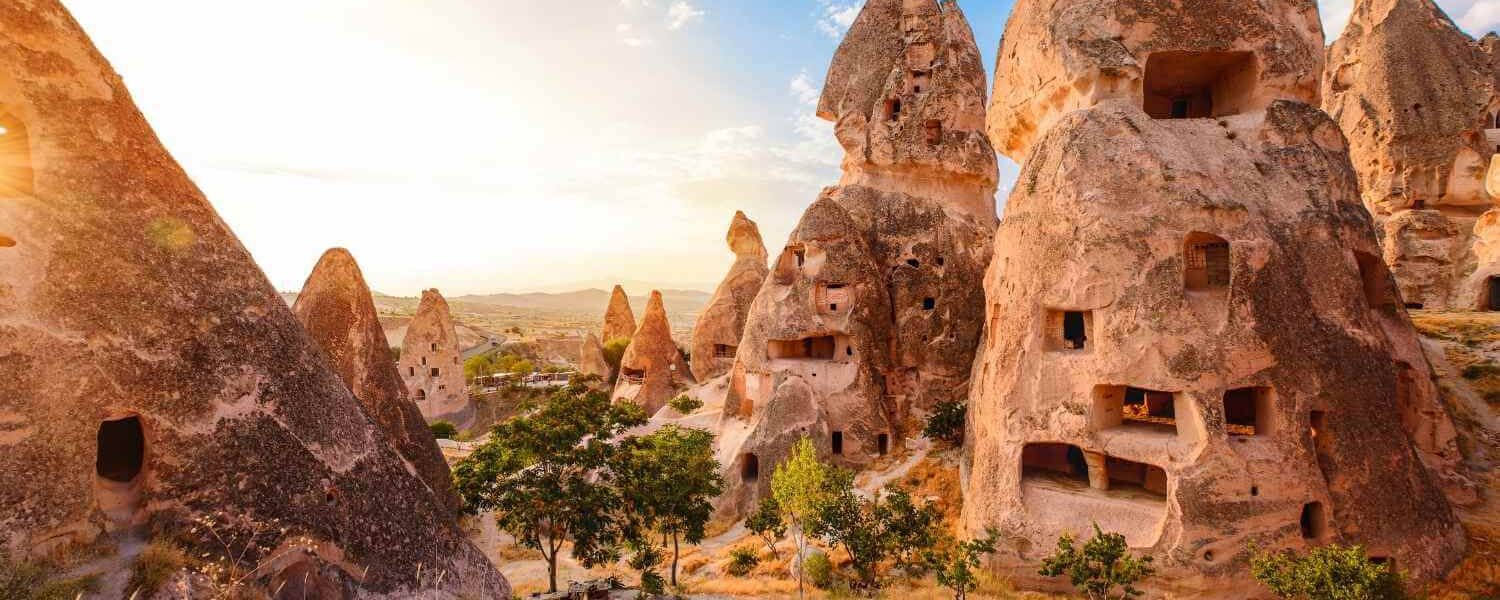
x,y
675,551
552,572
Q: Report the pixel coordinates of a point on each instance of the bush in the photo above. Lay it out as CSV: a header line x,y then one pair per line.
x,y
1480,371
1103,564
28,580
819,570
685,404
443,430
742,561
154,566
1327,573
947,422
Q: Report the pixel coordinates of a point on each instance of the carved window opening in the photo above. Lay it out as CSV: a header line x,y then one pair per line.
x,y
433,346
121,450
932,130
1125,406
831,296
1196,85
1205,262
791,261
892,109
1493,287
1066,460
929,303
421,394
633,375
913,263
411,371
16,172
7,241
1248,411
1068,329
1314,521
838,442
814,348
1376,281
883,444
749,467
435,372
724,351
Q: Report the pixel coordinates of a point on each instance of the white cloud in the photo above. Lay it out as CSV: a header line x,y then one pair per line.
x,y
630,37
680,14
634,4
837,16
804,90
1482,17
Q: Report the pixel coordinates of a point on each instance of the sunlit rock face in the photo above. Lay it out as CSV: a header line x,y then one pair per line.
x,y
871,313
591,357
431,364
1191,338
1416,98
153,376
716,335
619,321
336,309
652,370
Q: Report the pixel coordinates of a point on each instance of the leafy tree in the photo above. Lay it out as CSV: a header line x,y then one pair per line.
x,y
443,430
668,480
1330,572
947,422
742,561
767,523
800,487
614,351
545,475
956,563
888,528
646,557
819,570
685,404
1103,564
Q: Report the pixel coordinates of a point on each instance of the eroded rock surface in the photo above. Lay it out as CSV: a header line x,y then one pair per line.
x,y
1192,339
431,365
336,309
1416,98
619,320
716,335
153,376
652,370
591,357
872,311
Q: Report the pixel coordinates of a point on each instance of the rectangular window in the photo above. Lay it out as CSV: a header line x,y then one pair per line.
x,y
838,442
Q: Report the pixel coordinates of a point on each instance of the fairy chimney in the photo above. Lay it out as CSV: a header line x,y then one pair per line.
x,y
716,335
591,357
652,369
619,321
872,311
1191,338
431,364
154,379
1419,103
337,311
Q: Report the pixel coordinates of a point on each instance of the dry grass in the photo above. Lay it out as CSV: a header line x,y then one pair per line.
x,y
935,477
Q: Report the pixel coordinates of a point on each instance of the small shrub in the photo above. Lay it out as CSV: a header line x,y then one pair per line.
x,y
1101,565
154,566
947,422
1480,371
443,430
1330,572
819,570
29,580
742,561
685,404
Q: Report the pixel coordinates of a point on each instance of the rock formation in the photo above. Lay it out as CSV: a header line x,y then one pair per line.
x,y
1416,98
652,369
431,365
1191,337
716,335
872,312
619,321
591,357
153,376
337,310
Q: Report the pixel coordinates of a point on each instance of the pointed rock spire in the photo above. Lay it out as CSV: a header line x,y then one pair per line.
x,y
336,309
431,362
716,335
202,394
591,357
652,367
619,320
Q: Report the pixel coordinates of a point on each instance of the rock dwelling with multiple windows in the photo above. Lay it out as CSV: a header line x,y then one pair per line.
x,y
431,363
1191,338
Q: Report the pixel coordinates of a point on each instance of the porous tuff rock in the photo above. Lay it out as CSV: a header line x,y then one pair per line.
x,y
717,333
336,309
591,357
1225,269
872,311
619,320
431,364
1416,98
128,301
652,369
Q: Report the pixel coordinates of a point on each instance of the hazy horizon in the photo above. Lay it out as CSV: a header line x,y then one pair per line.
x,y
506,146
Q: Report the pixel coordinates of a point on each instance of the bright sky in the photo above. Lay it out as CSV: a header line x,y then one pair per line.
x,y
504,145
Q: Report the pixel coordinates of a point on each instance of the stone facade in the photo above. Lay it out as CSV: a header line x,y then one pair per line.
x,y
652,370
716,335
153,376
431,363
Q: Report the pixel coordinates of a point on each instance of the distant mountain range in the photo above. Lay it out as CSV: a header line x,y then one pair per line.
x,y
682,306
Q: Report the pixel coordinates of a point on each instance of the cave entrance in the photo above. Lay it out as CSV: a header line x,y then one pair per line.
x,y
1248,411
814,348
1205,262
119,460
724,351
1494,289
749,467
1196,85
1375,280
1054,459
1314,521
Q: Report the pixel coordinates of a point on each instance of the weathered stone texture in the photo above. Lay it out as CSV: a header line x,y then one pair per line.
x,y
431,365
591,357
619,320
652,369
716,335
132,311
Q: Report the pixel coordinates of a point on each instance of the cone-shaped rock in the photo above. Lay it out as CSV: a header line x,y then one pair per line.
x,y
873,309
619,320
154,378
652,369
1192,340
336,309
591,357
1416,98
717,333
431,363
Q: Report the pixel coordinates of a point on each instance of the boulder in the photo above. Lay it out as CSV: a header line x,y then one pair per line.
x,y
619,321
652,369
432,365
155,380
716,335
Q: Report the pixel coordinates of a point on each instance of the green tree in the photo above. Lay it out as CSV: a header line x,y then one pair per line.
x,y
946,422
767,523
956,564
888,528
443,430
685,404
668,480
1330,572
614,351
645,557
742,561
800,487
1103,564
546,476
